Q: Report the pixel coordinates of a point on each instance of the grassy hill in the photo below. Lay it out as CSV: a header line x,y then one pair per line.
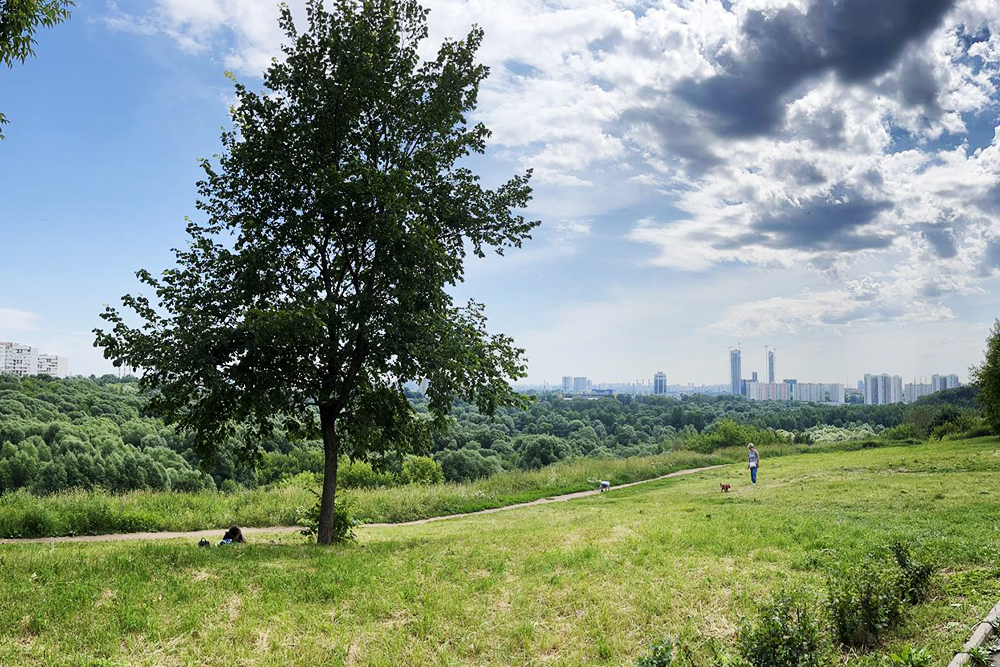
x,y
586,582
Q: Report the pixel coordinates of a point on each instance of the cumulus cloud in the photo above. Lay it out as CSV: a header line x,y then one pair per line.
x,y
831,134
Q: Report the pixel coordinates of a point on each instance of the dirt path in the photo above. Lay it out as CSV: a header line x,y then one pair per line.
x,y
216,533
543,501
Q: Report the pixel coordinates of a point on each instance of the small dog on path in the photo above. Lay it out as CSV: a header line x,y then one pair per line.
x,y
725,487
605,485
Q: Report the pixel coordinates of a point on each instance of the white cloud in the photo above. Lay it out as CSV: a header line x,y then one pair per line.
x,y
586,91
19,320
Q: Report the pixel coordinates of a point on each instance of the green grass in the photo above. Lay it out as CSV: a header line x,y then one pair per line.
x,y
96,512
592,581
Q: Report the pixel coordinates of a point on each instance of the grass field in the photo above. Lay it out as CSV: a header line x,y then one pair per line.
x,y
591,582
96,512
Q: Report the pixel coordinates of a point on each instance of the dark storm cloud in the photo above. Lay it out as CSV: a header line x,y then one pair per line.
x,y
919,86
800,171
681,137
828,222
942,240
855,39
991,258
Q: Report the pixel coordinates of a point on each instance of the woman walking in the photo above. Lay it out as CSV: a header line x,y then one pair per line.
x,y
754,460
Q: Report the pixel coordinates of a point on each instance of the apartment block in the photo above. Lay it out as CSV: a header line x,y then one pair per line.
x,y
24,360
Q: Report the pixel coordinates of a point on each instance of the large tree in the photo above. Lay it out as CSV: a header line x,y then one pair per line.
x,y
19,19
336,219
987,377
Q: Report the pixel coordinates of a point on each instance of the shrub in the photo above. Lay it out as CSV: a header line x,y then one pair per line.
x,y
422,470
786,634
910,657
302,480
462,465
914,581
361,475
905,431
660,655
980,657
864,602
343,521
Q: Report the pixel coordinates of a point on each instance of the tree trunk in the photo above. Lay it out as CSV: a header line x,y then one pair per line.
x,y
331,456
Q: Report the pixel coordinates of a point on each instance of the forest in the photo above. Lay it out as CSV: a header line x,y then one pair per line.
x,y
98,433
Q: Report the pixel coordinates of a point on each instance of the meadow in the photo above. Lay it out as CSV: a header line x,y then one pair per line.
x,y
591,581
96,512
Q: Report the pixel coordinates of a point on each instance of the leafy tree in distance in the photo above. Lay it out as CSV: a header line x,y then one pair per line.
x,y
19,19
338,215
987,377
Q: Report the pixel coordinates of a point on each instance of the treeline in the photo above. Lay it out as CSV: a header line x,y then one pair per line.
x,y
97,433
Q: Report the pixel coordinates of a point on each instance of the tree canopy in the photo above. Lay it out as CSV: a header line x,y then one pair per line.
x,y
19,19
987,377
337,217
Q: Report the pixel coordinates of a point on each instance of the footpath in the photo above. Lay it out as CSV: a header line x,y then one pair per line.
x,y
215,532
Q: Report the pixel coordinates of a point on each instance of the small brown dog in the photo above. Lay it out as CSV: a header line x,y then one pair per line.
x,y
725,487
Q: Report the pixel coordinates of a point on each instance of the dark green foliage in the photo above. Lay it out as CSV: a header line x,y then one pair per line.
x,y
19,19
466,464
87,433
361,475
785,633
351,208
343,522
421,470
915,578
986,377
865,601
660,654
538,451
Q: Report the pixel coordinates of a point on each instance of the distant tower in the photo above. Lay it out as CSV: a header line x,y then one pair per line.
x,y
770,366
660,383
735,371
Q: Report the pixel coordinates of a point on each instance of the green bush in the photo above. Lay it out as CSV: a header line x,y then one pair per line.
x,y
905,431
910,657
864,602
914,582
343,521
660,655
421,470
786,633
464,465
361,475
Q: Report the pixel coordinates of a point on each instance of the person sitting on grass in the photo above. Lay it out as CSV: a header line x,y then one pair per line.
x,y
233,536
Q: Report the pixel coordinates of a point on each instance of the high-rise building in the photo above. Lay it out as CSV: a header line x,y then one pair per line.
x,y
580,385
567,383
660,383
770,366
767,391
883,389
942,382
753,376
735,370
914,390
24,360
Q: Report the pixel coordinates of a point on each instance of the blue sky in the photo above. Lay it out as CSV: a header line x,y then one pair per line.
x,y
703,179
